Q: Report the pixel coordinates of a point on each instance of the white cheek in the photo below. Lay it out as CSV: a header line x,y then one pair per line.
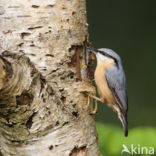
x,y
103,58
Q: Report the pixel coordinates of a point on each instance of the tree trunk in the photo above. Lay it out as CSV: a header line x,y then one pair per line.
x,y
43,108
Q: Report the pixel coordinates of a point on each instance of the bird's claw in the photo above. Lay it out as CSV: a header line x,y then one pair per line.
x,y
95,109
93,106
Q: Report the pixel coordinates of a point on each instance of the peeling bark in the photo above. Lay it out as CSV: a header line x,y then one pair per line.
x,y
43,110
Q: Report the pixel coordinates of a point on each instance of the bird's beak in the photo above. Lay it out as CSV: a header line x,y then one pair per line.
x,y
94,51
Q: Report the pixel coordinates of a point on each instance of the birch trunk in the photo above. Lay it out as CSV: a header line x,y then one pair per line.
x,y
43,110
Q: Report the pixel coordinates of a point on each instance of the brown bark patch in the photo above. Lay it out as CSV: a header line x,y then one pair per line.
x,y
5,71
7,32
24,34
76,151
73,61
24,99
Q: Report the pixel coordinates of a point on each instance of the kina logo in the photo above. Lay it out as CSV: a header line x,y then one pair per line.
x,y
137,149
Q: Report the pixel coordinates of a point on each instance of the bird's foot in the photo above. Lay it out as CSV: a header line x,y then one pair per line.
x,y
93,106
94,97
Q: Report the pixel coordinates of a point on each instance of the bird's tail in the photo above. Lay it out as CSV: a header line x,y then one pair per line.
x,y
124,123
122,115
123,119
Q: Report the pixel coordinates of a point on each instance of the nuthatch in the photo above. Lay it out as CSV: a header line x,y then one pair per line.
x,y
111,83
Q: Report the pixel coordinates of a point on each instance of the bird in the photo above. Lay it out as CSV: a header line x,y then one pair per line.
x,y
110,80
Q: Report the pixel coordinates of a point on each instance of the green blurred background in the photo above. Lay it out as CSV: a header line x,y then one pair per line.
x,y
129,28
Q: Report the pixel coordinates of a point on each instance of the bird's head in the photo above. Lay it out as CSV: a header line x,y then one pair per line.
x,y
106,55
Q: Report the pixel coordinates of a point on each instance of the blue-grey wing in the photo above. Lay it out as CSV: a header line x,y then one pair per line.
x,y
116,80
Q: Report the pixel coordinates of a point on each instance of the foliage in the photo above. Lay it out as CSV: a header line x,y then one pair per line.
x,y
111,138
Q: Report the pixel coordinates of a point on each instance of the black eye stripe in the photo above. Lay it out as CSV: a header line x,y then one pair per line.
x,y
105,54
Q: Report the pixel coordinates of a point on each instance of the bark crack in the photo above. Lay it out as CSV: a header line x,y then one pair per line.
x,y
76,151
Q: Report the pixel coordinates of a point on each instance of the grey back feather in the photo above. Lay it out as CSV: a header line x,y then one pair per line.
x,y
116,80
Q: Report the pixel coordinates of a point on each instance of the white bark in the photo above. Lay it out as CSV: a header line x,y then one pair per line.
x,y
43,111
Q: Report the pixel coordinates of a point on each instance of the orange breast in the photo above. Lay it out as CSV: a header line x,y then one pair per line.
x,y
102,86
